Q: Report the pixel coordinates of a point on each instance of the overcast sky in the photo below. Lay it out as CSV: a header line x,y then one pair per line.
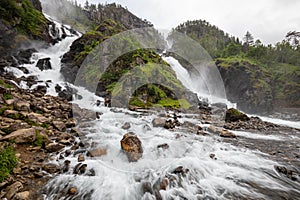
x,y
268,20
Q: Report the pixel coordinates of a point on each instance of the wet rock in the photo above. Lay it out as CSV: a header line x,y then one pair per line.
x,y
163,146
13,189
38,174
233,115
180,170
42,89
44,64
51,168
158,122
147,187
81,158
287,172
97,152
66,166
213,156
214,129
24,56
54,147
126,126
169,124
164,184
21,136
68,93
22,196
132,146
227,134
80,168
72,191
59,125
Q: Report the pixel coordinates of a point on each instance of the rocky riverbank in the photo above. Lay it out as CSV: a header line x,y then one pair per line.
x,y
37,127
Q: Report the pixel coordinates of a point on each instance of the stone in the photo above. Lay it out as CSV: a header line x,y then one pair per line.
x,y
227,134
59,125
97,152
163,146
66,166
169,124
54,147
158,122
233,115
81,158
126,126
22,196
44,64
214,129
80,168
164,184
22,105
11,114
72,191
51,168
13,189
21,136
132,146
38,118
213,156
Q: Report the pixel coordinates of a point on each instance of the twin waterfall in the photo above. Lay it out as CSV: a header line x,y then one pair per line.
x,y
235,171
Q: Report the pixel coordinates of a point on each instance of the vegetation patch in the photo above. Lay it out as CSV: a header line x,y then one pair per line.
x,y
8,161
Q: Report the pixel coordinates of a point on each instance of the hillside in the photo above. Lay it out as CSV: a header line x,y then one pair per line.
x,y
268,77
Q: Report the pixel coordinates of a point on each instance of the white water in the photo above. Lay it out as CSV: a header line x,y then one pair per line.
x,y
115,178
55,54
193,85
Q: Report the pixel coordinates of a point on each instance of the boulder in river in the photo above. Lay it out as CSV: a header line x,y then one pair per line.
x,y
132,146
44,64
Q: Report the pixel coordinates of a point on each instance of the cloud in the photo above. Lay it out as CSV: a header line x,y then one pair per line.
x,y
268,20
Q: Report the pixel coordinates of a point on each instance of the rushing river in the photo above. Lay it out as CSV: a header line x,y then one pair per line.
x,y
236,173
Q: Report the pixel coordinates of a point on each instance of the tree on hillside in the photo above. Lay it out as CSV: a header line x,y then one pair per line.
x,y
248,38
293,37
248,41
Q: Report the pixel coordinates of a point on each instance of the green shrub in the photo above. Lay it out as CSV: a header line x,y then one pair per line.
x,y
8,161
7,96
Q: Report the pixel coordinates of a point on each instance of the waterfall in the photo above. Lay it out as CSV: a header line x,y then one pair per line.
x,y
195,84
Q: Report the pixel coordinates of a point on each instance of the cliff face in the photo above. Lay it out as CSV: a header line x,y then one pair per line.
x,y
247,85
20,22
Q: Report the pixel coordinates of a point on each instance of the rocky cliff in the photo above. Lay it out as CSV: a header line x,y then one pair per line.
x,y
247,85
20,22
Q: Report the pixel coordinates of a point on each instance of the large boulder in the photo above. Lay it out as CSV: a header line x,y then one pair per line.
x,y
21,136
233,115
132,146
44,64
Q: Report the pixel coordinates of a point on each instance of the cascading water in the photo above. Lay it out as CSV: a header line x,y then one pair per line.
x,y
186,164
193,84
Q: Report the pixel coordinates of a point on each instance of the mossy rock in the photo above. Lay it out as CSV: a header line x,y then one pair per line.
x,y
233,115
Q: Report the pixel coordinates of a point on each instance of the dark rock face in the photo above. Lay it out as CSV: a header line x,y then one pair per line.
x,y
44,64
37,4
248,86
24,56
